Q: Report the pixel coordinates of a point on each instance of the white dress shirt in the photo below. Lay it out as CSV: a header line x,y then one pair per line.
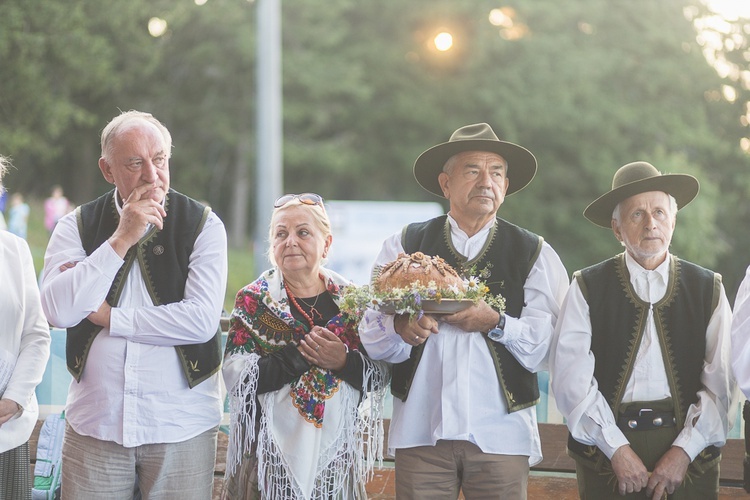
x,y
577,394
455,394
24,339
741,335
133,389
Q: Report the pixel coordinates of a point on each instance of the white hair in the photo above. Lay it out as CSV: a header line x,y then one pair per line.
x,y
124,122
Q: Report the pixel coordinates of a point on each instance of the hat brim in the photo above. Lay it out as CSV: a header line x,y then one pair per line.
x,y
521,163
683,187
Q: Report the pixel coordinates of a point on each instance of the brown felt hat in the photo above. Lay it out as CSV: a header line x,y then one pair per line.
x,y
636,178
476,137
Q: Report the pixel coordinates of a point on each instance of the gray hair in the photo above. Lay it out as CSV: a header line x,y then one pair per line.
x,y
672,208
124,122
319,215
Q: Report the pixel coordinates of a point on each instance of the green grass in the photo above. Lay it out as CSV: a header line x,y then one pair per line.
x,y
241,270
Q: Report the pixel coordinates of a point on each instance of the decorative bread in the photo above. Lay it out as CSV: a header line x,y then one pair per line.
x,y
420,268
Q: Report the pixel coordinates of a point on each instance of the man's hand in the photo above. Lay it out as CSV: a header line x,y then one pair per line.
x,y
669,473
101,316
632,475
137,214
415,331
478,318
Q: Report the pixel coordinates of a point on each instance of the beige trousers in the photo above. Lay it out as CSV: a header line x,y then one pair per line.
x,y
449,467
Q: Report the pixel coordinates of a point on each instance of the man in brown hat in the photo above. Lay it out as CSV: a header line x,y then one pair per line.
x,y
640,360
463,413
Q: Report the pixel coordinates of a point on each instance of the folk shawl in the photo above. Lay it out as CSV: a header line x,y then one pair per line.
x,y
315,440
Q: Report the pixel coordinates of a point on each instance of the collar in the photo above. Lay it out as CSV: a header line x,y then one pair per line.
x,y
635,269
482,232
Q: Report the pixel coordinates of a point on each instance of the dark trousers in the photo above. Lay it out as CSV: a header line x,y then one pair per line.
x,y
649,445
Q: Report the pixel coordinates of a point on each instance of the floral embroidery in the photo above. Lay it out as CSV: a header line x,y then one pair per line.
x,y
261,325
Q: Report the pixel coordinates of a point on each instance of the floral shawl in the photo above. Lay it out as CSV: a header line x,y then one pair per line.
x,y
314,440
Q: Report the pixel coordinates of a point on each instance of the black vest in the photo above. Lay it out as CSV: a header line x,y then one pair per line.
x,y
504,264
618,320
163,257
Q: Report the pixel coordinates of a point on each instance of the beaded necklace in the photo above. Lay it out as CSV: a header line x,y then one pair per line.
x,y
302,311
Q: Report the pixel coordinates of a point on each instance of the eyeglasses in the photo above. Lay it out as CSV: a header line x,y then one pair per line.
x,y
304,198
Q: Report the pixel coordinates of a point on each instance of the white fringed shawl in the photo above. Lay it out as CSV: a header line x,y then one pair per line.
x,y
297,458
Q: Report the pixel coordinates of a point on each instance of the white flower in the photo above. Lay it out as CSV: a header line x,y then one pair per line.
x,y
472,284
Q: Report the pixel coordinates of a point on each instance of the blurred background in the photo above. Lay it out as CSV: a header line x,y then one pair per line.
x,y
586,85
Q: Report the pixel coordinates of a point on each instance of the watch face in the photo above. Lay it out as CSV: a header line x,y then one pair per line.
x,y
496,334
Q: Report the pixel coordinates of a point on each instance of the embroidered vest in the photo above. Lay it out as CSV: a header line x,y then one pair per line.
x,y
618,321
163,257
507,257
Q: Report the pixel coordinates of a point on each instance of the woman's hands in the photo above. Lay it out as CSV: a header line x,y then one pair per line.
x,y
8,410
321,347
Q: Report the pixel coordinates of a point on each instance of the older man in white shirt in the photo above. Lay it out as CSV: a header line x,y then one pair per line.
x,y
640,360
138,278
464,417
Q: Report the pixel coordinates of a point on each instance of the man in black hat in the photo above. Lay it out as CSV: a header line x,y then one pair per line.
x,y
640,360
463,414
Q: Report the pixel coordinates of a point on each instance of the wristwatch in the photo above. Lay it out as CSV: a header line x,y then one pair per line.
x,y
498,331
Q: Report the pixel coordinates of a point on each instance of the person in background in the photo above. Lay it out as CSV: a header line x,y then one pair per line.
x,y
640,361
296,372
55,207
465,384
18,215
138,278
24,351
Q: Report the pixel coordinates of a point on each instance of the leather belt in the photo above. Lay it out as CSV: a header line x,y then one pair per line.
x,y
646,419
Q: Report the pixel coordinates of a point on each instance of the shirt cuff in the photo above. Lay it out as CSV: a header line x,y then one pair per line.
x,y
122,322
513,329
612,438
691,441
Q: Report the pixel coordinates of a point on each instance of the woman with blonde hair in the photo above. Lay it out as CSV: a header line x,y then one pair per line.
x,y
297,373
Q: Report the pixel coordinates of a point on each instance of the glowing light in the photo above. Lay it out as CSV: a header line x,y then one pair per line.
x,y
730,94
730,9
200,2
443,41
501,17
157,27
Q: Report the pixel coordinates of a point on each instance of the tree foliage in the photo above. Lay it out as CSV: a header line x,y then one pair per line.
x,y
586,85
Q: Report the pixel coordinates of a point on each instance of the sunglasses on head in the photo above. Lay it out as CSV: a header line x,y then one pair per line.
x,y
304,198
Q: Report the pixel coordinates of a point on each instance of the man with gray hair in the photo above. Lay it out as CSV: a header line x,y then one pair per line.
x,y
640,359
138,278
465,383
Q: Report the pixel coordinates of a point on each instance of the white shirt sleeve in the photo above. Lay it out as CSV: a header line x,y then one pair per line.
x,y
376,330
588,415
741,335
69,296
707,422
31,331
528,337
